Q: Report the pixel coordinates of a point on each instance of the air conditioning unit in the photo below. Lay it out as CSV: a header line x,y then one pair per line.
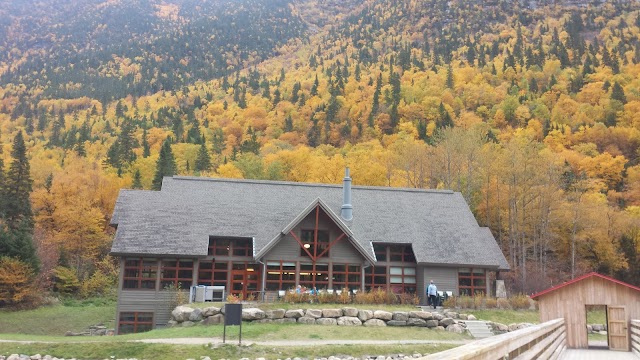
x,y
214,293
200,293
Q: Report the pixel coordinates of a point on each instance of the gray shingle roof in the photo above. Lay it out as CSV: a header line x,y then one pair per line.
x,y
179,219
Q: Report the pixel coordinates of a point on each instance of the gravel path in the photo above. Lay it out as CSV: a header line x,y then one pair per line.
x,y
218,341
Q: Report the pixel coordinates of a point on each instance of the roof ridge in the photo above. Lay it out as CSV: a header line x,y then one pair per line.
x,y
294,183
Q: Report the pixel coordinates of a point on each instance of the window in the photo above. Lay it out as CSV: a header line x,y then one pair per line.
x,y
346,276
178,273
401,253
230,247
472,281
280,275
375,277
219,247
315,248
314,277
242,247
402,279
381,252
134,322
213,273
140,274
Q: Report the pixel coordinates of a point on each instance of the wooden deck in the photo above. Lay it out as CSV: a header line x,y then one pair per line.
x,y
580,354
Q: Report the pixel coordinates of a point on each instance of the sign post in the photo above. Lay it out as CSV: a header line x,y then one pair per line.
x,y
232,316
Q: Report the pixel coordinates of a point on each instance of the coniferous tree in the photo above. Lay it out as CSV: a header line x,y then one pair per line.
x,y
450,77
16,232
166,165
203,161
146,151
617,93
137,180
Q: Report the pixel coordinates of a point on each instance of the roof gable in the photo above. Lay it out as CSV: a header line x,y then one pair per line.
x,y
306,212
581,278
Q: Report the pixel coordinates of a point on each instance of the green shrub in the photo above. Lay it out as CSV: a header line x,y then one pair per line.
x,y
99,284
65,280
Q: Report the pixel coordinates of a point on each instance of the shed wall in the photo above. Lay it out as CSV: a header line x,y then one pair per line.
x,y
569,303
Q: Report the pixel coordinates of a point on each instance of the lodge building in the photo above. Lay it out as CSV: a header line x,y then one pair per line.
x,y
257,238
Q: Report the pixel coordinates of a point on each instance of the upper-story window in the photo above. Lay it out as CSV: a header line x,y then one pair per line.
x,y
230,247
177,273
140,273
315,248
394,253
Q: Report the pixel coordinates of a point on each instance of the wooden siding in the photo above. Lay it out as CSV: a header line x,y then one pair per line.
x,y
445,278
569,303
157,302
288,249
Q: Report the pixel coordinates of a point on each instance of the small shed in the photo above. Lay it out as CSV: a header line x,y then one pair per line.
x,y
570,299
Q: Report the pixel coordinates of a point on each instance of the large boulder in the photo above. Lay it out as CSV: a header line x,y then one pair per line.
x,y
196,315
213,320
451,314
424,315
455,328
251,314
500,328
181,313
349,311
471,317
597,327
188,324
264,321
416,322
276,314
210,311
437,316
400,315
447,321
396,323
332,313
295,314
314,313
365,315
382,315
285,321
432,323
307,320
172,323
349,321
375,322
326,321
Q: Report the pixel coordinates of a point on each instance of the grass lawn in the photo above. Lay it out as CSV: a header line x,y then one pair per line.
x,y
57,319
506,316
229,351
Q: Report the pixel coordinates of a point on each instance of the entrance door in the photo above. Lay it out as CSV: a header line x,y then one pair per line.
x,y
239,283
618,329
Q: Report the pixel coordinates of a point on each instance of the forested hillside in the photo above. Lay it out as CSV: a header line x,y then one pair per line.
x,y
532,113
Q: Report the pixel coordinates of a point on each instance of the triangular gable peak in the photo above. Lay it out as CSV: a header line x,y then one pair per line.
x,y
581,278
316,208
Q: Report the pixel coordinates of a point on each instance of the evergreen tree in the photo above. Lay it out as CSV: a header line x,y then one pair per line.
x,y
146,151
314,88
166,165
617,93
203,161
450,77
17,233
137,180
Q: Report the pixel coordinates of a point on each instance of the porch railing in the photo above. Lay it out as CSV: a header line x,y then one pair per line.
x,y
635,337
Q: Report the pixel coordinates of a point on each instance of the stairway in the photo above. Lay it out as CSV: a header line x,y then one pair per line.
x,y
478,329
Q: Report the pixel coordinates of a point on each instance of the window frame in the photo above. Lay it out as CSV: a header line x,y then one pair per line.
x,y
136,322
141,270
472,289
166,281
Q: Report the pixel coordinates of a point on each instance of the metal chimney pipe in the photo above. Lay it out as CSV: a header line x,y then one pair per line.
x,y
346,212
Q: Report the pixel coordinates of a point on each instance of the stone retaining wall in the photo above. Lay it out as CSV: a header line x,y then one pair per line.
x,y
347,316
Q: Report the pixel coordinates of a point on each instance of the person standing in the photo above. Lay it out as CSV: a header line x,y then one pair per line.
x,y
432,292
